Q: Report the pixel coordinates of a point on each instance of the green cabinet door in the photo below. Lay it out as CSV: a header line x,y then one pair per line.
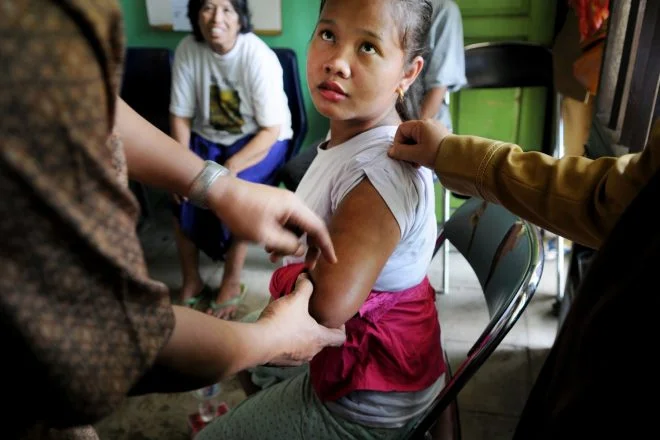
x,y
512,115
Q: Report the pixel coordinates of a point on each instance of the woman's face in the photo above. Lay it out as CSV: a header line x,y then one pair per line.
x,y
220,24
355,61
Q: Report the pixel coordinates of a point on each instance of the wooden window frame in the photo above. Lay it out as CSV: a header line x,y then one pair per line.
x,y
627,100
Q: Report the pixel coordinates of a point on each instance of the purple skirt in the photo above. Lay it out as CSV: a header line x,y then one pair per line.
x,y
201,226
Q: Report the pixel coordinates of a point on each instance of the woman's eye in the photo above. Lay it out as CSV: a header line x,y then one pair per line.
x,y
326,36
368,48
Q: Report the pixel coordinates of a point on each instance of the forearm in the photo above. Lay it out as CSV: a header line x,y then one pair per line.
x,y
432,102
255,150
153,157
203,350
575,197
181,128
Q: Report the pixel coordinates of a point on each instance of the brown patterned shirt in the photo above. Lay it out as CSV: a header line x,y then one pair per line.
x,y
80,319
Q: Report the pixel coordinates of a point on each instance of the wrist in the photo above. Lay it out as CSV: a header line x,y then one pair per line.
x,y
269,341
206,184
224,195
232,167
438,149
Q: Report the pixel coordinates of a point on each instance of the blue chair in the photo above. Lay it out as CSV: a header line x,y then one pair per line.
x,y
145,87
506,254
146,84
293,90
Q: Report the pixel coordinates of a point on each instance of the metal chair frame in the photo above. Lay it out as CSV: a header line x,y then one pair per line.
x,y
506,254
515,64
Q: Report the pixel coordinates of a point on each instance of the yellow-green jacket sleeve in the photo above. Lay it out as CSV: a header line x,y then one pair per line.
x,y
575,197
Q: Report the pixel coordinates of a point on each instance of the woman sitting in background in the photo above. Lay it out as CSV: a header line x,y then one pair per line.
x,y
228,105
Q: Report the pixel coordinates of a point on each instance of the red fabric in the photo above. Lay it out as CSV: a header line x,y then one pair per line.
x,y
591,15
392,344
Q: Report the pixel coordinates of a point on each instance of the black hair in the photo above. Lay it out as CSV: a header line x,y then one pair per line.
x,y
414,18
240,6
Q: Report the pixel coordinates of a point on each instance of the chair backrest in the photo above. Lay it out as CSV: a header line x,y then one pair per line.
x,y
514,64
146,84
293,90
506,254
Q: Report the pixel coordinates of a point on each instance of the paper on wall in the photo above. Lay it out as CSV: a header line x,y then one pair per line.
x,y
180,21
266,14
159,12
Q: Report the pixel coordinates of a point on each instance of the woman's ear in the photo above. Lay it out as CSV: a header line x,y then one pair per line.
x,y
411,73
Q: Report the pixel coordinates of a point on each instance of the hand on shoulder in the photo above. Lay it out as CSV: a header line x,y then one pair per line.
x,y
418,142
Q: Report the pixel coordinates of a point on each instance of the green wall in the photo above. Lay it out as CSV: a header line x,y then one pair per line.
x,y
298,19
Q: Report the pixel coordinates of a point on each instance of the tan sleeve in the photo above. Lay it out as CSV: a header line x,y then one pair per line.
x,y
576,197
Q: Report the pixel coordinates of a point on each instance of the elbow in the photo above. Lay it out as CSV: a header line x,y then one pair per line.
x,y
330,312
273,132
329,320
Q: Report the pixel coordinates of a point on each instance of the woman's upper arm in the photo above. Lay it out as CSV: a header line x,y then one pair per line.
x,y
364,232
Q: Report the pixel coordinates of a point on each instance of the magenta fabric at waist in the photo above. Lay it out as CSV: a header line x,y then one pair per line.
x,y
392,343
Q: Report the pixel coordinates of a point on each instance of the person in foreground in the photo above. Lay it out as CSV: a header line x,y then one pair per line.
x,y
363,61
606,204
82,321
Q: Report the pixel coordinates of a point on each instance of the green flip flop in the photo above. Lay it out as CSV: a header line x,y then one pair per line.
x,y
235,301
194,301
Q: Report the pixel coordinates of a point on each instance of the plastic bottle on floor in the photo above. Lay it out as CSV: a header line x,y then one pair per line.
x,y
208,402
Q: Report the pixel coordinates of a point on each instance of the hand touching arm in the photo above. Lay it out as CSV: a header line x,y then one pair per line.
x,y
156,159
203,349
575,197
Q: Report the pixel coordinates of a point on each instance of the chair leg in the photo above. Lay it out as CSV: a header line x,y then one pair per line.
x,y
561,276
446,212
559,153
448,426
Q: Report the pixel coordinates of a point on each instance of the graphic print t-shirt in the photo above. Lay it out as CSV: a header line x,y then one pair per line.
x,y
225,109
232,95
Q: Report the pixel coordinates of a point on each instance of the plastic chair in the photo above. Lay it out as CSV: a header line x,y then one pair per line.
x,y
146,88
293,90
506,254
292,172
515,64
146,84
148,76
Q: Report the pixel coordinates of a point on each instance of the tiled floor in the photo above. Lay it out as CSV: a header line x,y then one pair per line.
x,y
490,403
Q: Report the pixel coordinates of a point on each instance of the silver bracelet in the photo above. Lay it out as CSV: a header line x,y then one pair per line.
x,y
199,189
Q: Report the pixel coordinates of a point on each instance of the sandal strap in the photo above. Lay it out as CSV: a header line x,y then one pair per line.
x,y
237,300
